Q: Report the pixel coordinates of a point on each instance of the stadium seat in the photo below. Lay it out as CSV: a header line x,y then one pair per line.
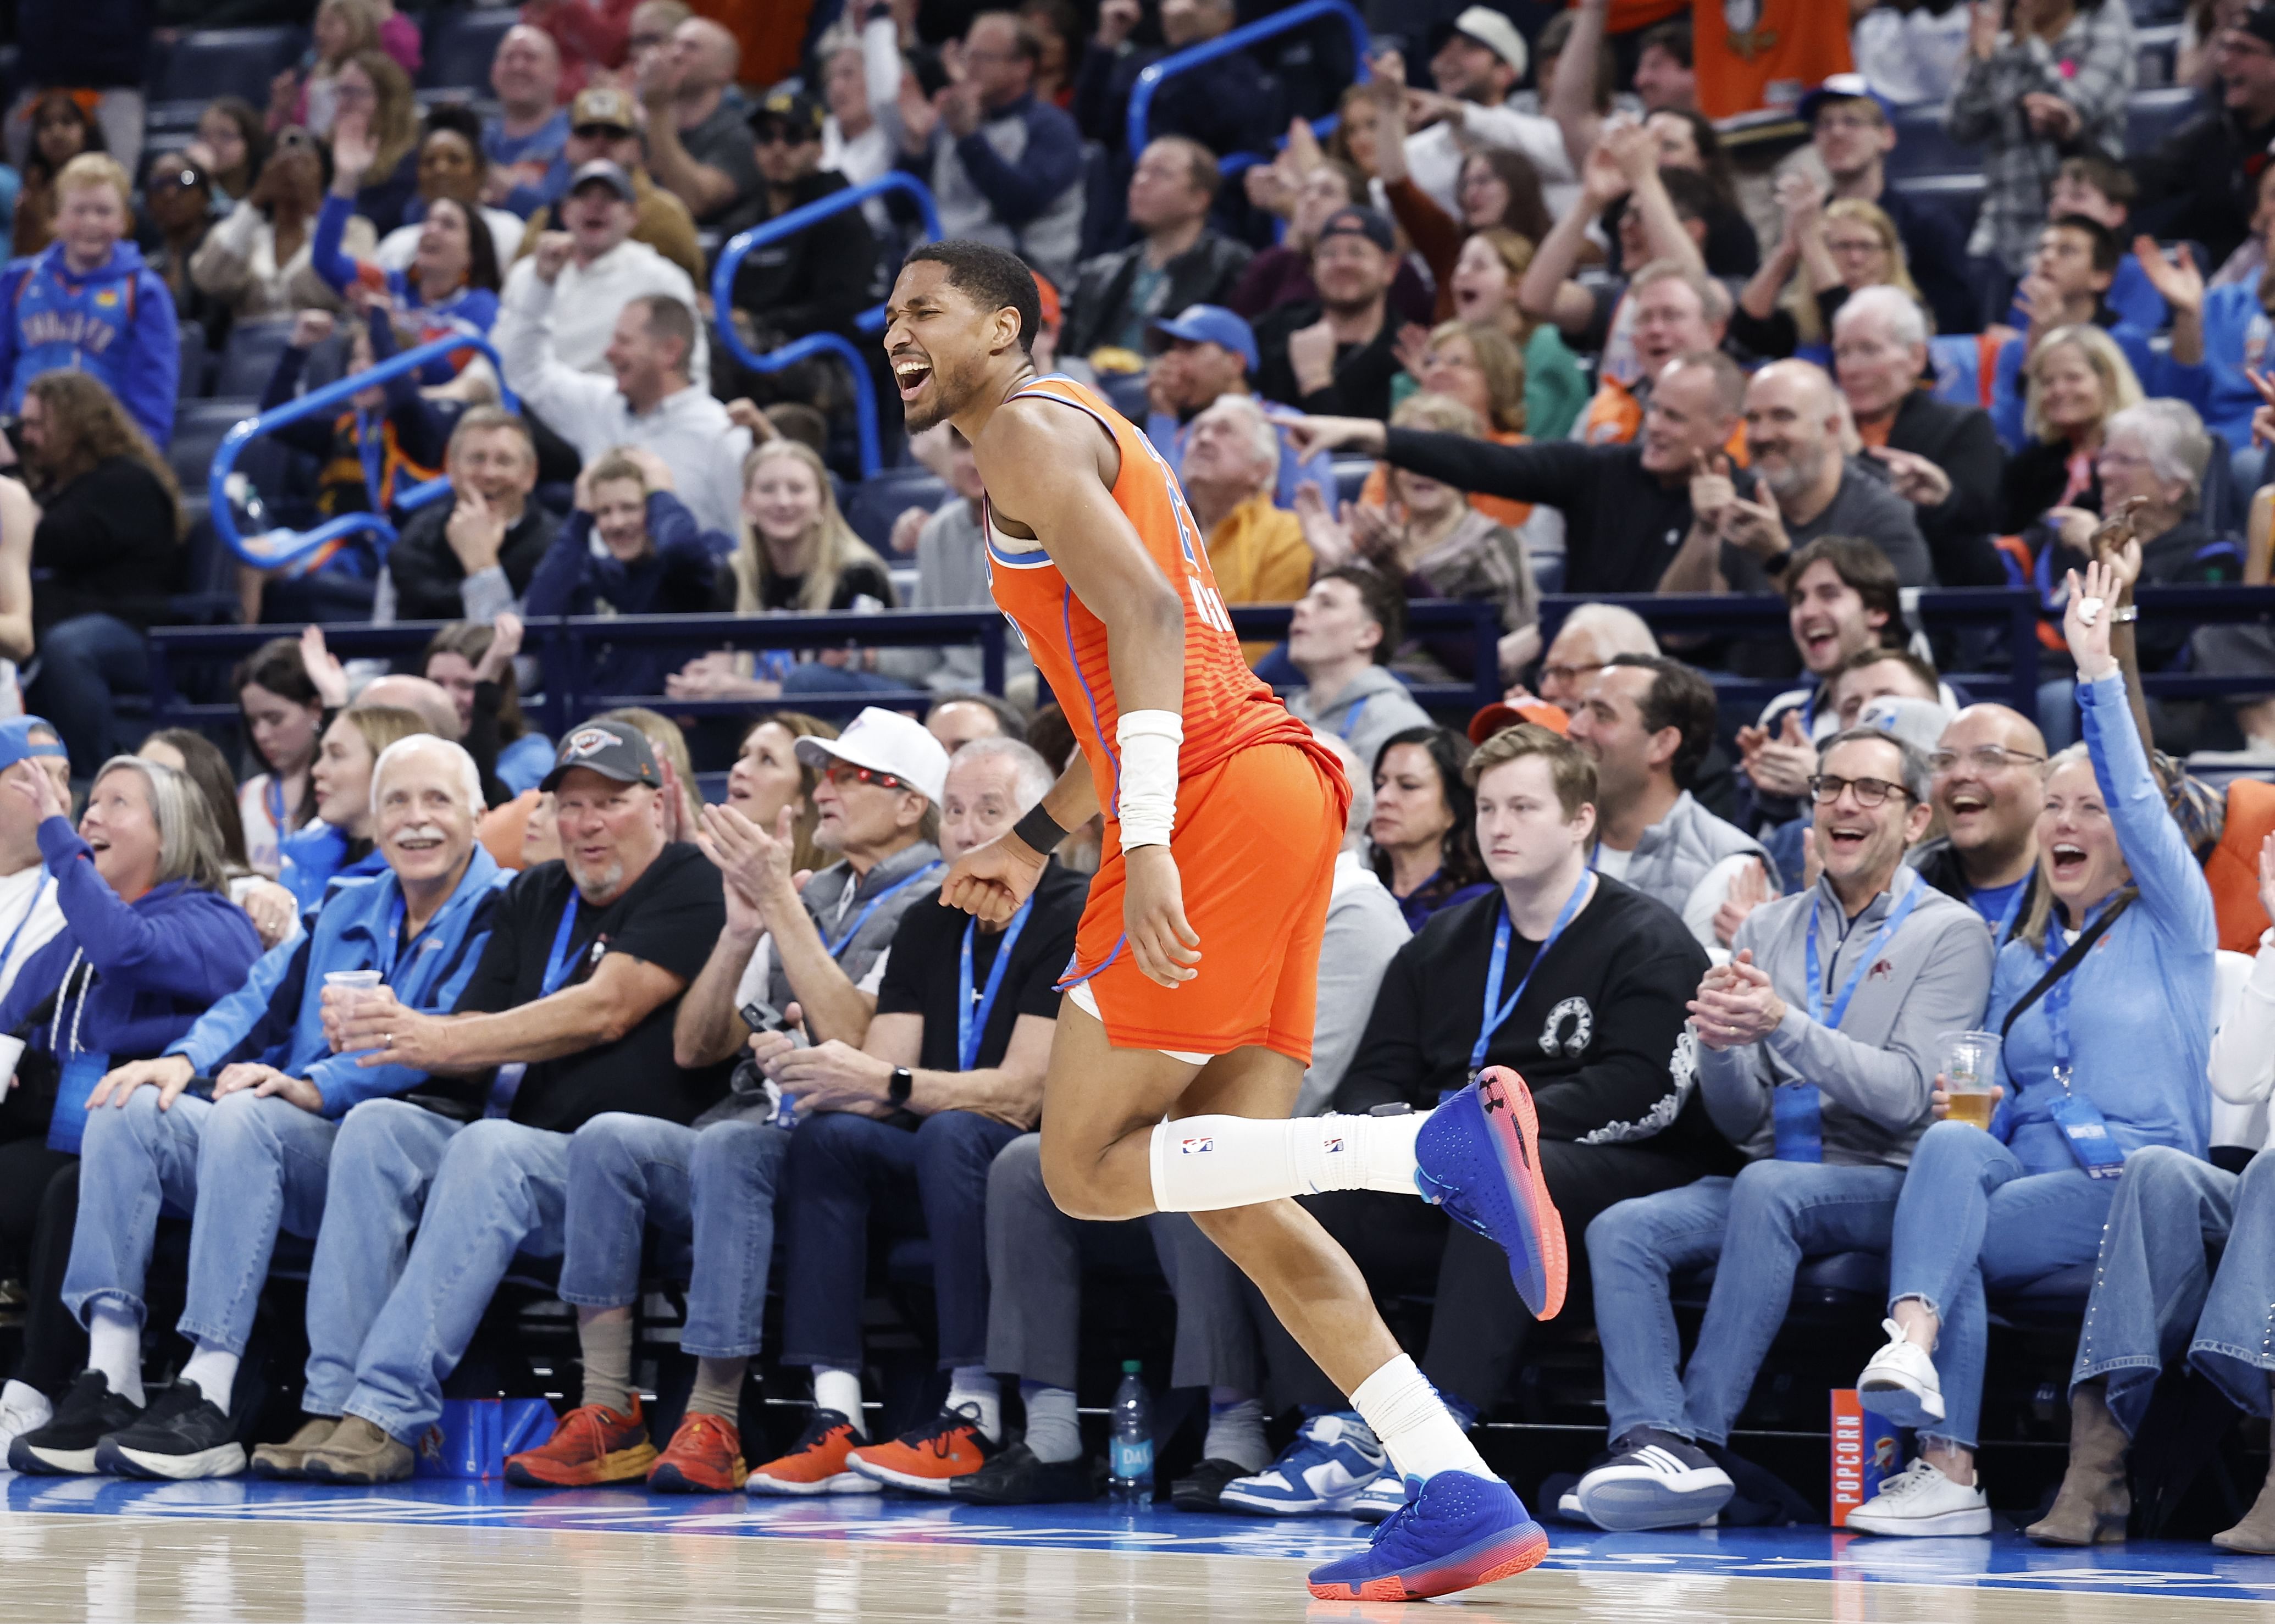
x,y
1350,476
459,46
1923,147
218,62
199,427
2156,50
249,357
1957,197
2151,12
2152,115
192,338
880,499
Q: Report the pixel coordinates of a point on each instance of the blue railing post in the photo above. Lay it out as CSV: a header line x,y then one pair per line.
x,y
1149,82
731,261
300,545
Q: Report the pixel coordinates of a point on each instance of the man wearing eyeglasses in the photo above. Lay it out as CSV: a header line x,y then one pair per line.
x,y
1816,1051
1985,781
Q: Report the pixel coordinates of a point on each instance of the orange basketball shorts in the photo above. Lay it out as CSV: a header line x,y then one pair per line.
x,y
1255,844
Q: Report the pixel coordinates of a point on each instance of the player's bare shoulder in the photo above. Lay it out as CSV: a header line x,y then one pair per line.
x,y
1032,444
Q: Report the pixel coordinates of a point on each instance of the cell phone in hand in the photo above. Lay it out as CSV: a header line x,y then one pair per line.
x,y
761,1016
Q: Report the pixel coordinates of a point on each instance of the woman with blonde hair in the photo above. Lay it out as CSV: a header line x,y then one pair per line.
x,y
796,552
377,106
1824,253
308,94
1479,365
2077,379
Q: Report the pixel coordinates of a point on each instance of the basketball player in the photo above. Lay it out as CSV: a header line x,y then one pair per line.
x,y
1188,1014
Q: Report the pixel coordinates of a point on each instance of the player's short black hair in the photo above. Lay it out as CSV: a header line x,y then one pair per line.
x,y
996,277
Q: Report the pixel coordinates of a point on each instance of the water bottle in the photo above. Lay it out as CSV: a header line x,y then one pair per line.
x,y
1130,1440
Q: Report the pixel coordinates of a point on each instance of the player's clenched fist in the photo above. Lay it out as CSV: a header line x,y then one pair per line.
x,y
1165,947
990,881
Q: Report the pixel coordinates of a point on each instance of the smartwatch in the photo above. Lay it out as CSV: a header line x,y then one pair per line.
x,y
897,1090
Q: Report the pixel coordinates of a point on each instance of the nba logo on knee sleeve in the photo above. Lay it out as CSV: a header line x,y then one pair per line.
x,y
1333,1147
1196,1147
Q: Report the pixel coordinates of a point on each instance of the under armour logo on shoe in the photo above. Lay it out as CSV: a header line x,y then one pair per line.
x,y
1195,1147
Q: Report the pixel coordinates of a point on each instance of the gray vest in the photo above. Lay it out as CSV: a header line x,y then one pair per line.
x,y
1675,853
872,928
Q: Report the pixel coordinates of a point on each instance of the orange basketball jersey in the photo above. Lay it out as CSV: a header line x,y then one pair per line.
x,y
1227,708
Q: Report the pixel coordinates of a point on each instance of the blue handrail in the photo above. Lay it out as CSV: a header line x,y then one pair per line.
x,y
871,321
1149,82
280,547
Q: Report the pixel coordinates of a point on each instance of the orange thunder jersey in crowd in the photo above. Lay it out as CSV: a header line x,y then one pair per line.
x,y
1257,826
1752,55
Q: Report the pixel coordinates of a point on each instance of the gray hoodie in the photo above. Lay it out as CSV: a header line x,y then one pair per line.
x,y
1878,1068
1370,708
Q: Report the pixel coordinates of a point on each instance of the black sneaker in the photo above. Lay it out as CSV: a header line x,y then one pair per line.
x,y
1204,1488
1654,1479
183,1434
89,1413
1014,1477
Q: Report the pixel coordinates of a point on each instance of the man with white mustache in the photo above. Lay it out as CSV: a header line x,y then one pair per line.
x,y
238,1122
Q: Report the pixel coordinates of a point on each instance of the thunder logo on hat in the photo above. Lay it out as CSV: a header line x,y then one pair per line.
x,y
612,749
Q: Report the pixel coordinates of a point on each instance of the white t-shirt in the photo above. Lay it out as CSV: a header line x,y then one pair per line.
x,y
29,917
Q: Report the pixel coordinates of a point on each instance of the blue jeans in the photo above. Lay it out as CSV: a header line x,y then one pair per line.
x,y
709,1198
384,1164
241,1168
1972,1216
846,1171
501,1190
1760,1225
2234,1343
83,662
812,676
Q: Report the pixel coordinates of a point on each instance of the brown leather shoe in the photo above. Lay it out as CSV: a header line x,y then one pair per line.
x,y
286,1459
357,1453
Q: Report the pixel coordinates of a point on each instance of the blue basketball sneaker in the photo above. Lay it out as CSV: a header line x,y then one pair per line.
x,y
1479,1157
1455,1532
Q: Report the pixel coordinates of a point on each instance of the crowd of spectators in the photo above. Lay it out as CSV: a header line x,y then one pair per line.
x,y
434,991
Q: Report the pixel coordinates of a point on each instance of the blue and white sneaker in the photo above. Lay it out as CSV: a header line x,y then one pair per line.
x,y
1455,1532
1333,1457
1479,1157
1381,1499
1654,1479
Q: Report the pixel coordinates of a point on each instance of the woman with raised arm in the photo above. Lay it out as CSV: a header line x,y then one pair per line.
x,y
2104,998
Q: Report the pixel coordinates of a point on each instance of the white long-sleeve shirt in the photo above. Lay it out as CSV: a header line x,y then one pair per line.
x,y
689,430
587,299
1434,156
2243,1066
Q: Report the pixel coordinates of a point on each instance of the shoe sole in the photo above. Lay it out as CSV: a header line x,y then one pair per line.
x,y
909,1481
667,1478
317,1471
1501,1556
1633,1505
1975,1520
843,1482
1334,1506
38,1463
275,1470
1905,1407
624,1466
226,1460
1362,1512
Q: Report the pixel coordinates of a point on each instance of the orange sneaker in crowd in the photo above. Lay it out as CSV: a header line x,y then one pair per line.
x,y
928,1458
705,1456
591,1444
816,1463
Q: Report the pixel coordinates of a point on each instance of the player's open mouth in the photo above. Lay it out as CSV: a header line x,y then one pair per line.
x,y
909,375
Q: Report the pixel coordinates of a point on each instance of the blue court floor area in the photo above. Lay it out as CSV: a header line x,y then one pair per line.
x,y
2005,1562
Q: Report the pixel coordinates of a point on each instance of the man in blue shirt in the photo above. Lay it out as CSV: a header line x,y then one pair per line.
x,y
1204,352
523,143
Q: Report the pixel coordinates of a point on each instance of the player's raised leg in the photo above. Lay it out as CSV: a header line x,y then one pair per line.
x,y
1229,1155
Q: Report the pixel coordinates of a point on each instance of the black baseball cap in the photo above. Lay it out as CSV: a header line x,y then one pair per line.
x,y
2259,23
613,749
793,110
1354,220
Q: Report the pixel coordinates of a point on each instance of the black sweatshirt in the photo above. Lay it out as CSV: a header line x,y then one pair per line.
x,y
106,544
1622,527
1594,1036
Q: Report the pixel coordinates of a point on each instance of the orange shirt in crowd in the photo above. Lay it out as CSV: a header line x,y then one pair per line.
x,y
1755,54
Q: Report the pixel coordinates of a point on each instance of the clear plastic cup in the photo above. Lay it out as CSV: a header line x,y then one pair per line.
x,y
346,985
1969,1064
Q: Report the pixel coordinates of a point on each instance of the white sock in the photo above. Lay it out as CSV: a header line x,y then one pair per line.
x,y
1416,1428
841,1390
215,1371
1236,1430
970,1388
1204,1164
29,1405
1054,1429
114,1346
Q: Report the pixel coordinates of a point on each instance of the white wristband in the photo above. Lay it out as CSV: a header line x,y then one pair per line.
x,y
1147,808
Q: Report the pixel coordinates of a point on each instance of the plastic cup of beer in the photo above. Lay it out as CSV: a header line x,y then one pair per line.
x,y
1970,1075
351,984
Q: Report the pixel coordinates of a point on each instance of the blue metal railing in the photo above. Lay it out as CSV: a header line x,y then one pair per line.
x,y
280,547
1149,82
870,321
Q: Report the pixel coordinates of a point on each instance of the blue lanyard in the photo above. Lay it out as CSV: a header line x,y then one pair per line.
x,y
972,1009
389,943
1495,1010
1350,718
1897,915
39,893
275,798
837,950
559,964
372,450
2057,1005
2006,919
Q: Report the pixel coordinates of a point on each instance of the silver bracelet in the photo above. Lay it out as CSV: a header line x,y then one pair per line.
x,y
2131,611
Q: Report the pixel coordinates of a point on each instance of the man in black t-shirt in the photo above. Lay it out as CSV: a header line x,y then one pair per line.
x,y
577,988
1590,1010
900,1131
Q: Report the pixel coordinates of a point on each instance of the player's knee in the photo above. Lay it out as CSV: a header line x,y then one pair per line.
x,y
1079,1187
